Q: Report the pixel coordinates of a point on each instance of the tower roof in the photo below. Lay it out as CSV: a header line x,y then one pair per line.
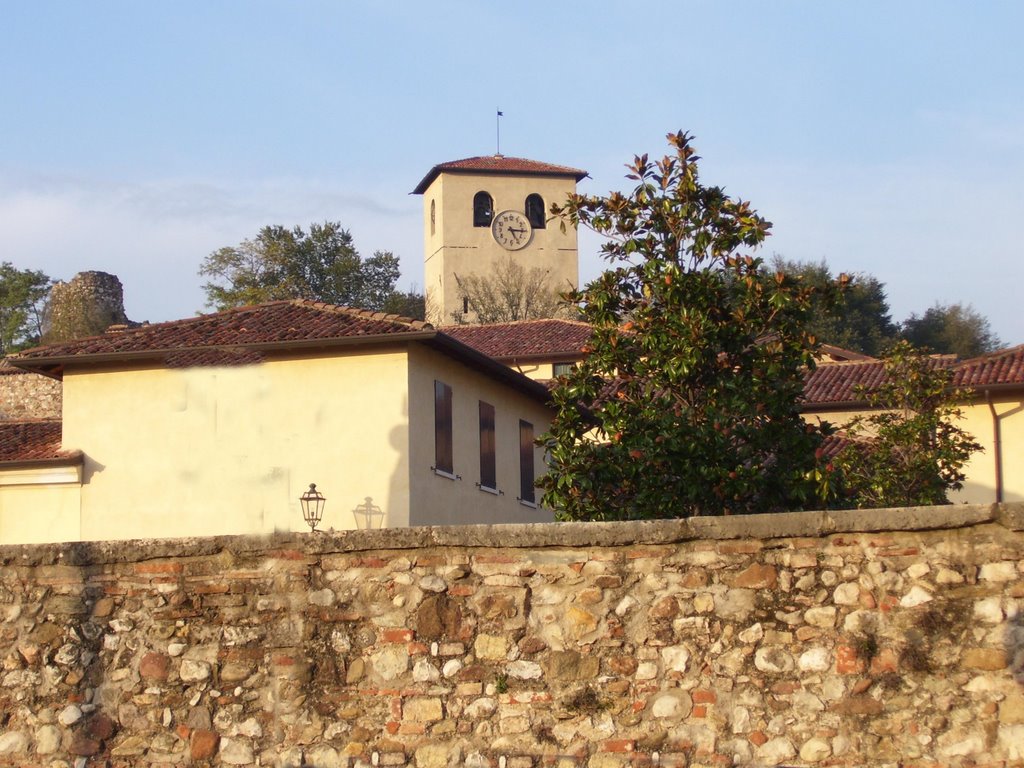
x,y
498,164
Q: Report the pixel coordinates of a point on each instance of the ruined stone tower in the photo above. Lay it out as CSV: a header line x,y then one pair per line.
x,y
86,305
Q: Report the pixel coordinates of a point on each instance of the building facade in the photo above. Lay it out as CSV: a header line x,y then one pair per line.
x,y
217,424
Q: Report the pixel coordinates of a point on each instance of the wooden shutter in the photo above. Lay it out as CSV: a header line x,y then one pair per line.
x,y
526,476
488,462
443,428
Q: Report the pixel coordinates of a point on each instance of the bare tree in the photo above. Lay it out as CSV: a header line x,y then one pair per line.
x,y
511,293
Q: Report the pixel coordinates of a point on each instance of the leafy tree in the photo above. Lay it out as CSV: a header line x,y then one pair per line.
x,y
687,401
951,328
857,317
23,295
281,263
908,452
406,303
511,293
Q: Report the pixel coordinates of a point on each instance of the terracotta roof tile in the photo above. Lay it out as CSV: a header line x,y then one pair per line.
x,y
519,166
832,383
832,444
837,383
31,441
276,322
527,338
6,369
1003,367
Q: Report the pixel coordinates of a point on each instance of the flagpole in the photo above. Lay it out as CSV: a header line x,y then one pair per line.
x,y
497,130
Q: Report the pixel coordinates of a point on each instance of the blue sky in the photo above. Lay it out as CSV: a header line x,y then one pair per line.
x,y
883,137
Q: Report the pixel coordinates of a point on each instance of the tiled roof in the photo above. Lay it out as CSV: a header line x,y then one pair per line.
x,y
831,383
6,369
527,338
1003,367
519,166
22,441
832,444
245,335
835,383
246,327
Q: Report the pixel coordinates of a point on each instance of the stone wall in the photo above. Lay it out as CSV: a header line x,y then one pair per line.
x,y
26,395
893,637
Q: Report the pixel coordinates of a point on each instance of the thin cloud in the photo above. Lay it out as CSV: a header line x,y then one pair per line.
x,y
155,235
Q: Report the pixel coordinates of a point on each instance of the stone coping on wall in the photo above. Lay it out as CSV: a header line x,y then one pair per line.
x,y
574,534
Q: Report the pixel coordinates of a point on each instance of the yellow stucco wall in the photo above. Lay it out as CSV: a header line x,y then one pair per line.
x,y
439,500
205,451
36,503
454,246
227,450
980,486
536,371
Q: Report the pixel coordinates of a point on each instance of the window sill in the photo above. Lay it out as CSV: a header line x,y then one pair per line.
x,y
486,489
443,473
530,504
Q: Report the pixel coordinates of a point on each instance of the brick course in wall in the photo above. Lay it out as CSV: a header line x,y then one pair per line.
x,y
892,637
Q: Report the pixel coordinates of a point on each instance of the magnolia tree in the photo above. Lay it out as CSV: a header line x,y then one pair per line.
x,y
686,403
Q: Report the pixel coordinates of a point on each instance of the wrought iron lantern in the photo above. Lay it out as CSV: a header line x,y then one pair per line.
x,y
312,506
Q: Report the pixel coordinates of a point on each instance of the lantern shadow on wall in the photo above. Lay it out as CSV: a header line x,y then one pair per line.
x,y
368,515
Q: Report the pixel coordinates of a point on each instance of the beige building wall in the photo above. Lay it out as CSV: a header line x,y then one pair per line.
x,y
204,451
980,420
40,504
439,500
452,245
536,371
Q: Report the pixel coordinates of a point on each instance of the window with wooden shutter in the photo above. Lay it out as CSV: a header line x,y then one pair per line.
x,y
488,462
443,428
526,473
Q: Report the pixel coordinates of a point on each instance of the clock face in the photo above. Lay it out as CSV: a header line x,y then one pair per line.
x,y
511,230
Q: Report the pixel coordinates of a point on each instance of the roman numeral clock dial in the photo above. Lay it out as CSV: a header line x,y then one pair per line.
x,y
511,230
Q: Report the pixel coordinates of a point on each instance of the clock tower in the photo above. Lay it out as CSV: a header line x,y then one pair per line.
x,y
480,211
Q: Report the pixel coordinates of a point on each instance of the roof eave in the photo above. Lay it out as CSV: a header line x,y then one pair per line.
x,y
981,389
838,405
974,390
437,170
478,360
54,366
541,357
72,459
